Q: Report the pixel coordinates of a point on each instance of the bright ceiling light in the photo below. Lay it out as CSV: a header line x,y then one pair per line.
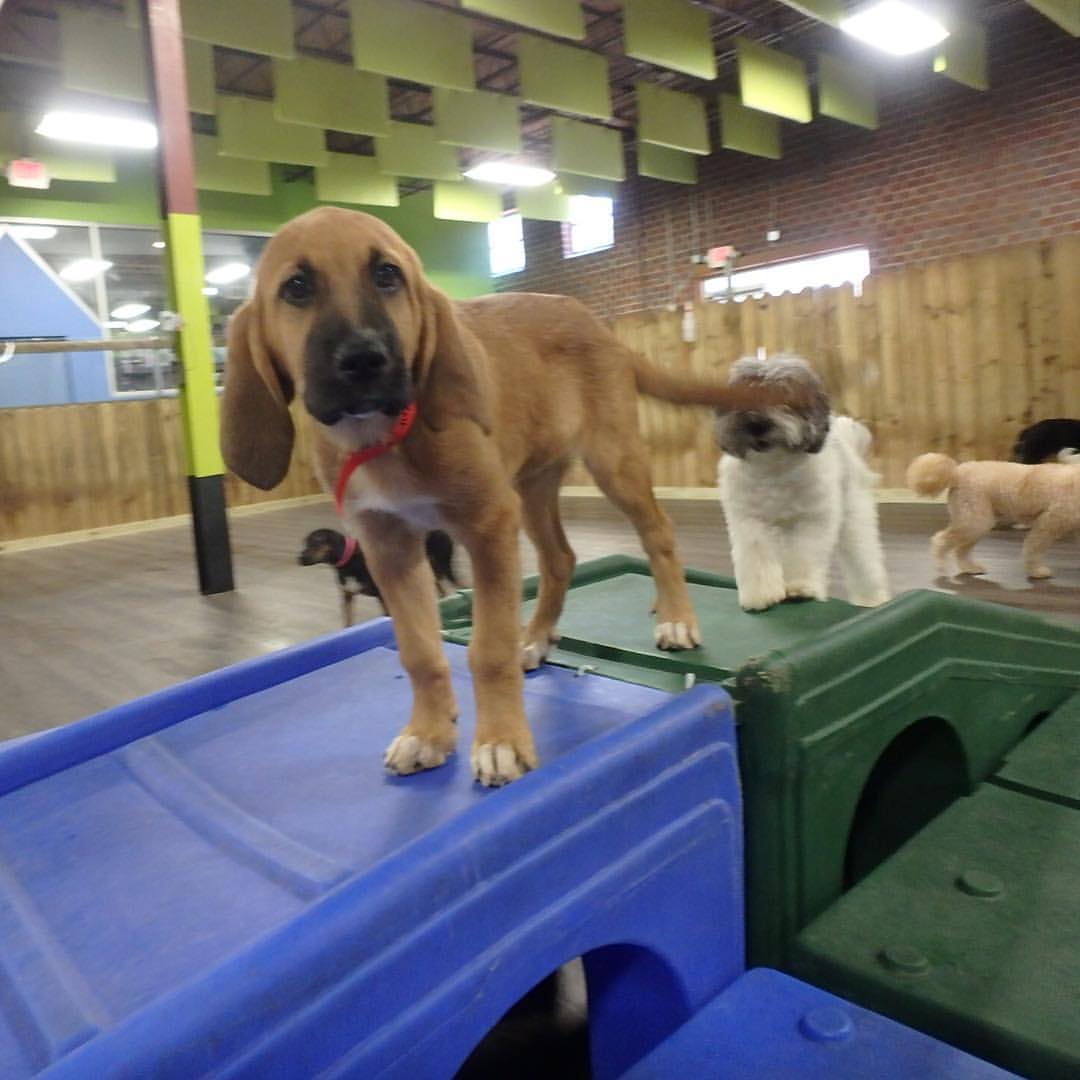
x,y
894,26
98,129
33,232
158,244
228,273
140,326
129,311
84,269
116,324
210,291
506,172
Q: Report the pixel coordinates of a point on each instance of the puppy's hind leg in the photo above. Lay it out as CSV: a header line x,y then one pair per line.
x,y
540,515
861,556
1047,529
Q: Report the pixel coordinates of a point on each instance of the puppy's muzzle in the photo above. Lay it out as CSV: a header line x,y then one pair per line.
x,y
361,358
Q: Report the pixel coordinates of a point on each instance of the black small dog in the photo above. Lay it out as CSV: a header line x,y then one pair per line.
x,y
1046,439
344,554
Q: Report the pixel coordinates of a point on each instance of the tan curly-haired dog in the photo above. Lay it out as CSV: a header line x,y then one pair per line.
x,y
983,493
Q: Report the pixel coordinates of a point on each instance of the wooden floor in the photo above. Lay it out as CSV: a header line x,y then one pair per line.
x,y
87,625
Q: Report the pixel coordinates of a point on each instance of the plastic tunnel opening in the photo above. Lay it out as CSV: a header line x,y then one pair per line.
x,y
920,773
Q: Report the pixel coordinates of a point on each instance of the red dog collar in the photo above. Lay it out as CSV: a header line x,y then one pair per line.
x,y
350,551
402,425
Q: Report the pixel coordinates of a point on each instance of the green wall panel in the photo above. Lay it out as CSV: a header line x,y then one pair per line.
x,y
412,41
201,86
662,163
672,119
322,94
464,201
86,168
962,56
562,17
247,129
574,184
547,203
414,150
563,77
773,82
258,26
747,130
846,92
213,172
586,149
350,178
478,119
671,33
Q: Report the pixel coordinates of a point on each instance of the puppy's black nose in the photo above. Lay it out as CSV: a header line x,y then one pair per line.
x,y
757,427
360,357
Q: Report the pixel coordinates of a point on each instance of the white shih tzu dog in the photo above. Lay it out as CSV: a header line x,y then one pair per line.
x,y
795,488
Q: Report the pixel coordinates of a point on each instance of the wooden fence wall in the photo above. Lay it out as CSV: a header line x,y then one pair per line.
x,y
956,356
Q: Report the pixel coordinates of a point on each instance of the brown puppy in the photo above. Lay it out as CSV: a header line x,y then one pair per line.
x,y
508,390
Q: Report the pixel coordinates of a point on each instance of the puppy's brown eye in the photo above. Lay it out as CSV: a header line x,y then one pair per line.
x,y
387,277
298,289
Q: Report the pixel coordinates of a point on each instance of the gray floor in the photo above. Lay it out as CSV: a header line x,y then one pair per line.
x,y
88,625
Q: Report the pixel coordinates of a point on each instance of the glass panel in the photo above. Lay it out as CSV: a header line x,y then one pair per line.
x,y
506,244
832,270
591,226
65,247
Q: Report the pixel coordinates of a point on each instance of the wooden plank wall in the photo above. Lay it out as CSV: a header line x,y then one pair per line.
x,y
956,356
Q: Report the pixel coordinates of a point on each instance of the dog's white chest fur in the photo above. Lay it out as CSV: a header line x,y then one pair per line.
x,y
389,491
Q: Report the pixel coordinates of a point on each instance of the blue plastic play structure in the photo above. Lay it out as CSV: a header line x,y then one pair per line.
x,y
219,880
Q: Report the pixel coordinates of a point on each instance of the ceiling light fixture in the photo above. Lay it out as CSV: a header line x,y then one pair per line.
x,y
140,326
158,244
84,269
896,27
506,172
33,232
98,129
209,290
129,311
228,273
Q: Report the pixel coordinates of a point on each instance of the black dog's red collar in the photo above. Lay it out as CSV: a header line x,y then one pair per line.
x,y
402,425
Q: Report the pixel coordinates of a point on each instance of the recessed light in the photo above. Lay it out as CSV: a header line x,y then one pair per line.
x,y
33,232
84,269
140,326
506,172
894,26
129,311
98,129
228,273
158,244
209,290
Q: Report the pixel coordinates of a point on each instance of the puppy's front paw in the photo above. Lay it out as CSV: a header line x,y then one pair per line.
x,y
972,568
760,600
677,635
535,649
498,764
805,591
1040,573
409,754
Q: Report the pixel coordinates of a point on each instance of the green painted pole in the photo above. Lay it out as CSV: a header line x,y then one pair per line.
x,y
184,260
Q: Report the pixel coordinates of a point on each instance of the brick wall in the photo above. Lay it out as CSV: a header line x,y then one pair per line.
x,y
949,170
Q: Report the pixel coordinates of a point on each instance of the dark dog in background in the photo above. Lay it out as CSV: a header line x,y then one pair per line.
x,y
343,553
1047,439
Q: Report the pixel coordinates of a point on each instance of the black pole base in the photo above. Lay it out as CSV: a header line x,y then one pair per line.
x,y
213,556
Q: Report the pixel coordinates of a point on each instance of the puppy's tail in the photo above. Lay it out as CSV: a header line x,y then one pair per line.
x,y
931,474
684,389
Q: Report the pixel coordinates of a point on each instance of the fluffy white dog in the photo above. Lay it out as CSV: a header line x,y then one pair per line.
x,y
795,488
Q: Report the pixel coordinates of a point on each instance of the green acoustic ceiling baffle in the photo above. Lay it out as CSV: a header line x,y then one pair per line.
x,y
1066,13
547,203
257,26
773,82
670,33
962,55
562,17
465,201
478,119
413,41
747,130
216,173
414,150
661,163
350,178
102,54
247,129
563,77
672,119
572,184
828,11
86,166
323,94
586,149
846,92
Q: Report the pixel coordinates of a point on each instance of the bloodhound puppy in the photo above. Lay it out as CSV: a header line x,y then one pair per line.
x,y
508,390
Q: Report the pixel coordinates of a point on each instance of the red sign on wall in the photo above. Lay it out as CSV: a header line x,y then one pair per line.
x,y
27,173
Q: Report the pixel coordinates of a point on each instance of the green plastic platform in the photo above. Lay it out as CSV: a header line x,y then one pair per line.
x,y
971,931
856,726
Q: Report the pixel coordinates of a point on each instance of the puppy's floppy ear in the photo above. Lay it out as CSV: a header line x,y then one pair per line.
x,y
817,417
449,384
256,428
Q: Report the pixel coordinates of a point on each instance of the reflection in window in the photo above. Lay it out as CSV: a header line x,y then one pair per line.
x,y
591,226
836,268
506,244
